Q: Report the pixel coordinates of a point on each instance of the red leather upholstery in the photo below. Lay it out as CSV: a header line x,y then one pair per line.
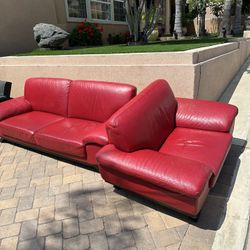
x,y
173,163
167,153
179,202
25,125
14,107
207,115
65,136
165,171
146,121
96,100
93,142
207,147
91,151
48,94
97,135
41,119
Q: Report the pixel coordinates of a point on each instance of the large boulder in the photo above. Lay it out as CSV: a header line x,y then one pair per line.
x,y
49,35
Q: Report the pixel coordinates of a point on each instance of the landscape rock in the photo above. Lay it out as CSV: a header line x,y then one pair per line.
x,y
49,35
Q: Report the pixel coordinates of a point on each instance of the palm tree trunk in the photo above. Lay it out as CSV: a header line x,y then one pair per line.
x,y
226,17
237,18
178,18
202,28
202,18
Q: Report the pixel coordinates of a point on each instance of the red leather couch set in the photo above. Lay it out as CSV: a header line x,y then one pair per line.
x,y
168,149
62,116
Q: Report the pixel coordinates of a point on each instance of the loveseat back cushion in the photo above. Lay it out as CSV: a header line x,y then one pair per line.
x,y
48,94
97,100
146,121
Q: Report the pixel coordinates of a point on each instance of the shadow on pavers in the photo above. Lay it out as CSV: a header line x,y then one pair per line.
x,y
81,199
214,210
211,217
53,155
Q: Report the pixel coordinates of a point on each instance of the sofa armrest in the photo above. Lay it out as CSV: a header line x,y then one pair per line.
x,y
96,136
14,107
169,172
206,115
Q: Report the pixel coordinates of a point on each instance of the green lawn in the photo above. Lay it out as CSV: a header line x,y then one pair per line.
x,y
173,45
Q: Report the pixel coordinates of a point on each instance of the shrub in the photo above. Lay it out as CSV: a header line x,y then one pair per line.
x,y
86,34
118,38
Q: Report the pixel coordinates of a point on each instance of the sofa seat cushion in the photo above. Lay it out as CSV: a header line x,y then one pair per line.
x,y
65,136
207,147
23,127
165,171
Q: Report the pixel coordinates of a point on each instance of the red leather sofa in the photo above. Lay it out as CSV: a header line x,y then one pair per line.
x,y
62,116
168,149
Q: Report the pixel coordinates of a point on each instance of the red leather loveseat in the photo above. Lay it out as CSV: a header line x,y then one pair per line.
x,y
62,116
168,149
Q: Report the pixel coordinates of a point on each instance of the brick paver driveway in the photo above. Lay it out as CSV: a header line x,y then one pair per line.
x,y
46,203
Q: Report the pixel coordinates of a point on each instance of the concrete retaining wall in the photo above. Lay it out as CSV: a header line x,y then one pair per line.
x,y
201,73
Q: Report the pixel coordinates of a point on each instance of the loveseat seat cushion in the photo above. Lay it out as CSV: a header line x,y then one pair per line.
x,y
146,121
207,147
97,100
48,94
165,171
65,136
22,127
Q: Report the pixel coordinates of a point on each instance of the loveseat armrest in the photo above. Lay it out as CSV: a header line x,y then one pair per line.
x,y
206,115
98,135
169,172
14,107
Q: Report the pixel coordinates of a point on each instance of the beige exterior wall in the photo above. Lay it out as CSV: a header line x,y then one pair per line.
x,y
17,19
200,73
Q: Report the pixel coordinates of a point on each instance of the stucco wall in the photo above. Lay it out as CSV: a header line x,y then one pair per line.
x,y
216,73
138,75
17,19
201,73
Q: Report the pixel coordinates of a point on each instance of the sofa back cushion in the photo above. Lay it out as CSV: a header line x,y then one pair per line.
x,y
97,100
48,94
146,121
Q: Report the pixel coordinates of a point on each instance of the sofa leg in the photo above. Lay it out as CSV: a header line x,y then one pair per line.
x,y
116,187
195,218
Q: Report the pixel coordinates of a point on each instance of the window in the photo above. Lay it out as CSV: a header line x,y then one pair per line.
x,y
77,8
119,12
103,10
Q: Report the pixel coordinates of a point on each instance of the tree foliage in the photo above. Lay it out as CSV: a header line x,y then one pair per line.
x,y
198,8
216,7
